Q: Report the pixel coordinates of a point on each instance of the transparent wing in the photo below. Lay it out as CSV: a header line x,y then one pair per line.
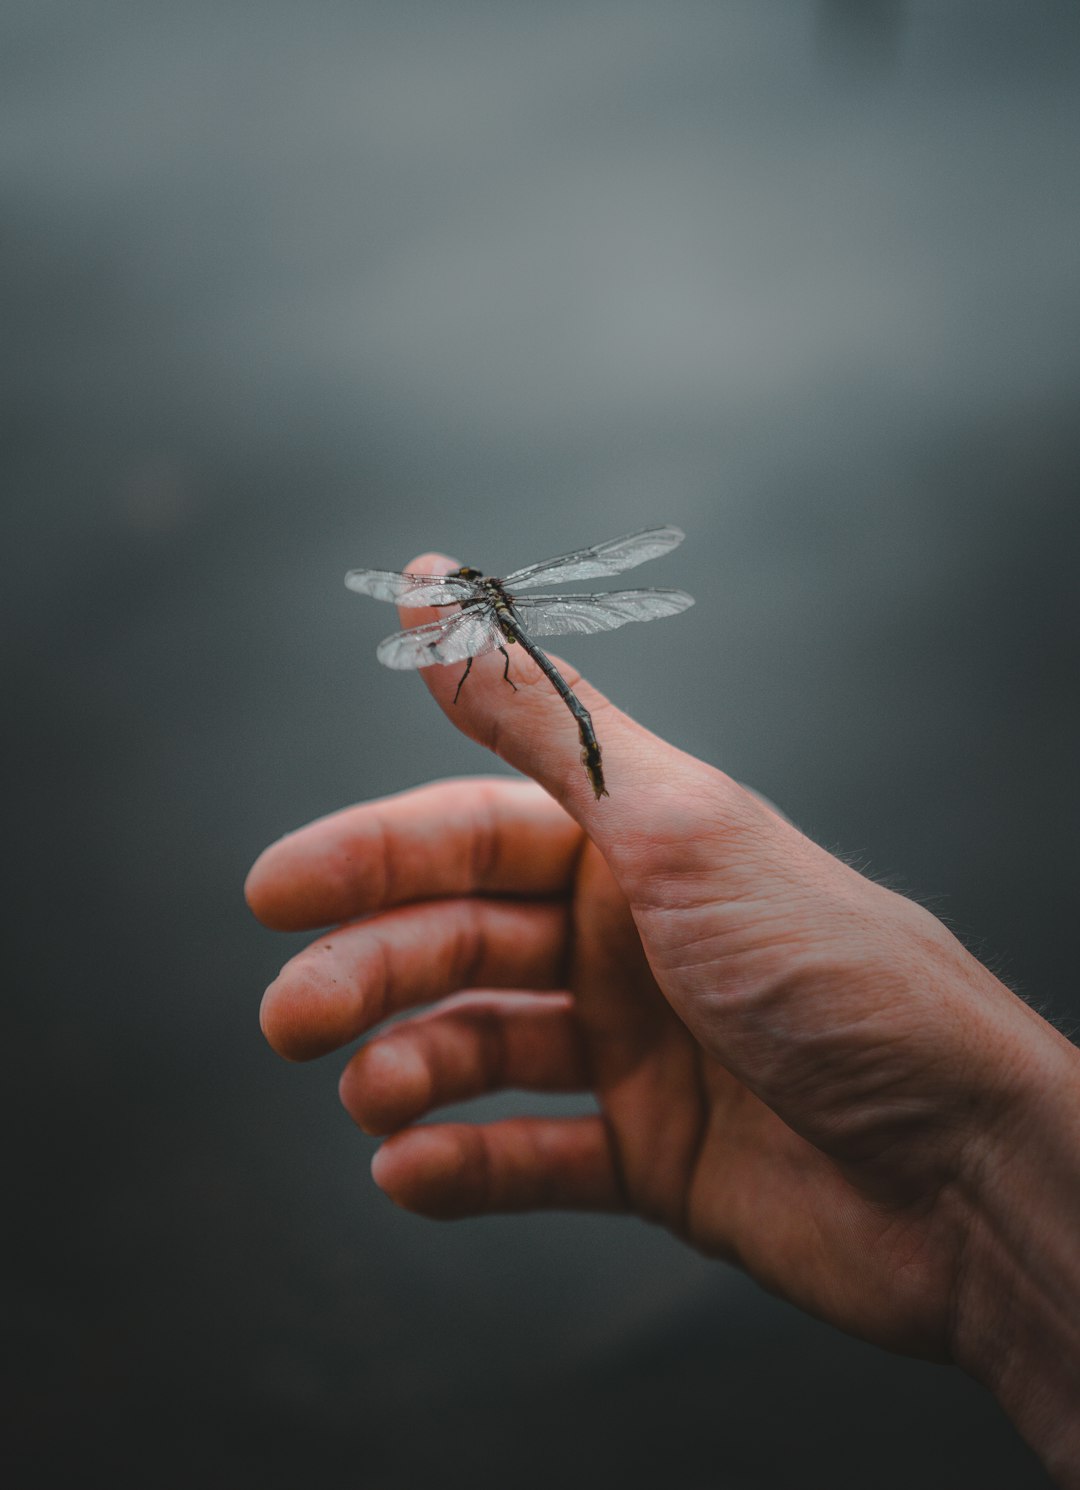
x,y
410,589
469,633
559,615
591,563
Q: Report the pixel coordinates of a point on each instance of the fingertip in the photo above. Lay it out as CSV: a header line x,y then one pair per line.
x,y
279,1025
254,885
383,1085
384,1167
431,563
272,895
420,1171
302,1014
308,878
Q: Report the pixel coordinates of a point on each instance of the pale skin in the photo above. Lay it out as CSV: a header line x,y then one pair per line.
x,y
797,1070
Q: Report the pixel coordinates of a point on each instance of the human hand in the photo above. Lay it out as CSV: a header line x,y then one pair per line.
x,y
796,1069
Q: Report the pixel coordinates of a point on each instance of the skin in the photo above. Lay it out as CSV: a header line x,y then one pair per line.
x,y
797,1070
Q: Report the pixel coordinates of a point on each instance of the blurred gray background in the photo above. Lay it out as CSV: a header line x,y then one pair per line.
x,y
288,289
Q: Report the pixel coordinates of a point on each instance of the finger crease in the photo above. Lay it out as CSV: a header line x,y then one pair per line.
x,y
385,860
484,850
387,978
470,954
493,1049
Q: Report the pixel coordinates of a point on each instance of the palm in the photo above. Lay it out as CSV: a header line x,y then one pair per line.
x,y
696,1151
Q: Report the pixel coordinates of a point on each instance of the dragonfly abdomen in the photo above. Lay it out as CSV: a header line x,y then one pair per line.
x,y
513,630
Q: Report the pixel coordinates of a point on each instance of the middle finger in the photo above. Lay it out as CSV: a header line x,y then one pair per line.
x,y
353,978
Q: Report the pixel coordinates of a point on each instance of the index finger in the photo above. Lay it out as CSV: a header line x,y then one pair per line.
x,y
478,835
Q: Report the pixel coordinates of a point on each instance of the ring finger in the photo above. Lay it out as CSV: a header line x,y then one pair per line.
x,y
472,1044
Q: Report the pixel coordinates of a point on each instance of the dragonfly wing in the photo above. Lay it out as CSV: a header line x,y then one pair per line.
x,y
561,615
613,557
467,634
410,589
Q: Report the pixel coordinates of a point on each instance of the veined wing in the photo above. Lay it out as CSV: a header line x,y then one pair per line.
x,y
560,615
613,557
469,633
410,589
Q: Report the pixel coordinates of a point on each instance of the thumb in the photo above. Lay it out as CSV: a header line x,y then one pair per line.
x,y
539,732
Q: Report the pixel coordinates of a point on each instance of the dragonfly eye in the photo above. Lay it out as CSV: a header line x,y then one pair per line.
x,y
467,573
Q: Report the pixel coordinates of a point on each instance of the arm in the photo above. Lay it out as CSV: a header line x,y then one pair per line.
x,y
1019,1304
797,1069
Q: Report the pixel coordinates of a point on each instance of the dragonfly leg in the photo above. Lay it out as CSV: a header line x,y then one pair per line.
x,y
465,674
506,668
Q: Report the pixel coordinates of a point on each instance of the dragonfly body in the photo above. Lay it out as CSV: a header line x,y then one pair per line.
x,y
493,615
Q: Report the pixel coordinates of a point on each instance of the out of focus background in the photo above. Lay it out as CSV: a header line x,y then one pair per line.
x,y
291,289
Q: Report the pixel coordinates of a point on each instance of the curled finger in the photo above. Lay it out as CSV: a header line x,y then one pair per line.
x,y
453,1170
472,1044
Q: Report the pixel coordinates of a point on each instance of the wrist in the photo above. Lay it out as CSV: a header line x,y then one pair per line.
x,y
1017,1310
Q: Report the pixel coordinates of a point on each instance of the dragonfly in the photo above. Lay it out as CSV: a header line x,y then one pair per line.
x,y
494,614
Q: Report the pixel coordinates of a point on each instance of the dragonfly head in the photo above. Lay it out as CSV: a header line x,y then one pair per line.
x,y
467,573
